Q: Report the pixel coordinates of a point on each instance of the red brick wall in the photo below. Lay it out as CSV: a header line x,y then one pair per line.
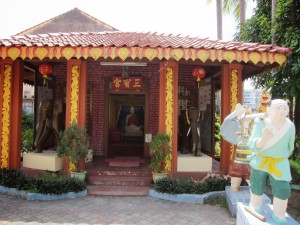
x,y
96,81
97,75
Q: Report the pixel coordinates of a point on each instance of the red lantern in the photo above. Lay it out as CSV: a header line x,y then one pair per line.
x,y
198,73
45,69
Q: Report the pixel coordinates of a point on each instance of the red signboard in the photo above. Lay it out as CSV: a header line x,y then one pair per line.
x,y
128,83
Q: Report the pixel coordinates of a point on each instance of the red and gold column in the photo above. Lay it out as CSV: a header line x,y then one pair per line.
x,y
231,94
76,92
168,107
11,113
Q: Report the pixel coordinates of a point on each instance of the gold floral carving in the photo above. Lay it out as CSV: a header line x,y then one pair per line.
x,y
123,53
105,54
23,52
140,53
167,53
254,57
177,54
220,55
245,58
14,53
229,56
233,98
51,52
5,115
150,53
193,56
264,57
280,58
186,54
68,53
169,112
213,55
74,92
95,53
41,53
160,53
203,55
58,52
133,52
113,53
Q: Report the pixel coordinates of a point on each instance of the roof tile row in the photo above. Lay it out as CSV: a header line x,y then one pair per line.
x,y
133,39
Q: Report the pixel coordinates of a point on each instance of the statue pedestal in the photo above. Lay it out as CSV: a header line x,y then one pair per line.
x,y
47,160
191,163
243,196
245,218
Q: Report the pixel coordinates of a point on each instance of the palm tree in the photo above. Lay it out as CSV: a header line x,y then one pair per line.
x,y
219,18
274,4
238,7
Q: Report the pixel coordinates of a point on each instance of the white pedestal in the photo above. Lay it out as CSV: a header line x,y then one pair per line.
x,y
232,198
47,160
245,218
191,163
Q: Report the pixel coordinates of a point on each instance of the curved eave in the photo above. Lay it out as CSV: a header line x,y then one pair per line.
x,y
124,53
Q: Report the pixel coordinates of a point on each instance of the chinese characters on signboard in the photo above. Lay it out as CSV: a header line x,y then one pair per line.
x,y
129,83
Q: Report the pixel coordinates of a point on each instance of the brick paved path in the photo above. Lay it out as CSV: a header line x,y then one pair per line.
x,y
110,210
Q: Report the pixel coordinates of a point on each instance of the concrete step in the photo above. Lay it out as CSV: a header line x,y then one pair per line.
x,y
118,190
120,180
121,172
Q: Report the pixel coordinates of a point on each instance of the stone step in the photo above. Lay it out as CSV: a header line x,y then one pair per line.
x,y
121,191
120,180
116,173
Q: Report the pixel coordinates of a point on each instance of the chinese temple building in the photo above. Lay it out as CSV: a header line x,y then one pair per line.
x,y
99,76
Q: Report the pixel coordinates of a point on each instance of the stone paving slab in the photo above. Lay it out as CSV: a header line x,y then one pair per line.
x,y
110,210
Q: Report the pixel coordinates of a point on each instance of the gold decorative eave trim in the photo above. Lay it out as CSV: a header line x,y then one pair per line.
x,y
124,53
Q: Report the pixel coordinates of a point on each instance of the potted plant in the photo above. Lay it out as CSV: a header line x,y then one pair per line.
x,y
74,145
160,150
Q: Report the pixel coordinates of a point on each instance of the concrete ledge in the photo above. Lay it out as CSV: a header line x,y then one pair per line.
x,y
196,198
37,196
245,218
191,163
47,160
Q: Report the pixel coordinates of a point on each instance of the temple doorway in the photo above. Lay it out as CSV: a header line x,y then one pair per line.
x,y
126,125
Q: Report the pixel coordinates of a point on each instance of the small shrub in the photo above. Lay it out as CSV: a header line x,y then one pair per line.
x,y
27,140
189,186
45,184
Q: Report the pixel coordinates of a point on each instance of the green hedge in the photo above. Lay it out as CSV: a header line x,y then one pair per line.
x,y
46,184
190,186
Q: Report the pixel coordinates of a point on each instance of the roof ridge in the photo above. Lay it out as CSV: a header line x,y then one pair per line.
x,y
61,15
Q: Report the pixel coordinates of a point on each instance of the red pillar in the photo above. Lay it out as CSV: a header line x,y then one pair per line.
x,y
231,94
11,88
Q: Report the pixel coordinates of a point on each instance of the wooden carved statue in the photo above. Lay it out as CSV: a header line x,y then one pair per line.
x,y
49,123
193,118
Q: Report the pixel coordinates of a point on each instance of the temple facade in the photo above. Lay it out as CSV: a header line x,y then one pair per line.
x,y
99,76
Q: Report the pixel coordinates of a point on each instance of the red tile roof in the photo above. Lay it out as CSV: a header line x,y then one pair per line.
x,y
134,39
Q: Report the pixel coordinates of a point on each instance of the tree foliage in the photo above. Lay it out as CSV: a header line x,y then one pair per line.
x,y
284,81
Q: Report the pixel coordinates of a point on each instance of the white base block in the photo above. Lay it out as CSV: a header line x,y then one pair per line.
x,y
47,160
245,218
191,163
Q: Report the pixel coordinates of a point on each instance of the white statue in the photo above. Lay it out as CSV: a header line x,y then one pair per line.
x,y
272,142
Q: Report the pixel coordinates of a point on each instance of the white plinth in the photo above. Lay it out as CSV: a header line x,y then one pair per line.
x,y
47,160
191,163
245,218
